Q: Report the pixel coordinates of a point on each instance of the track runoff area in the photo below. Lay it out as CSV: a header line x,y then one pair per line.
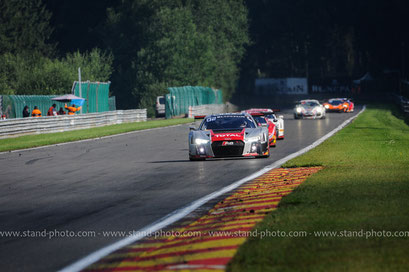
x,y
209,242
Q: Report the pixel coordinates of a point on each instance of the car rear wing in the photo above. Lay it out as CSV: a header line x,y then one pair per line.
x,y
261,113
258,113
198,117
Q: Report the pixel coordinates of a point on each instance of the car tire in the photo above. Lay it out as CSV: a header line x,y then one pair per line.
x,y
264,156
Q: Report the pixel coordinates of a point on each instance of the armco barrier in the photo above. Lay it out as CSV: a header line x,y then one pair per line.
x,y
211,109
37,125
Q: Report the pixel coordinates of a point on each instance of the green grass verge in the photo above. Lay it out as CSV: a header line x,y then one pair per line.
x,y
29,141
363,189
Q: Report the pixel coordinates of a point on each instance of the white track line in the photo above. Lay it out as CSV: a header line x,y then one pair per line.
x,y
182,212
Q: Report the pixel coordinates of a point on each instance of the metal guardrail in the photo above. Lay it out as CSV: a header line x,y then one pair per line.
x,y
60,123
403,102
211,109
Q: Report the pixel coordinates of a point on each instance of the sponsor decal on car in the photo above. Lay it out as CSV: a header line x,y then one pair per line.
x,y
226,143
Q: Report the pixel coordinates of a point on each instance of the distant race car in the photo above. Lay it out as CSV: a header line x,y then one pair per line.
x,y
309,109
339,105
228,135
351,105
262,120
278,121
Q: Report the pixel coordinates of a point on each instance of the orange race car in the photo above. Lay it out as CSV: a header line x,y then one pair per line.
x,y
339,105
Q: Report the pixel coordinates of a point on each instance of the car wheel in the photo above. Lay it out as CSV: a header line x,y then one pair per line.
x,y
264,156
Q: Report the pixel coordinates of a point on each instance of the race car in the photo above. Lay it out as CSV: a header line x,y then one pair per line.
x,y
278,121
339,105
309,109
228,135
262,120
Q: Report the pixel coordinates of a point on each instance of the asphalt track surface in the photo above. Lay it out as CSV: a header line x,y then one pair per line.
x,y
120,183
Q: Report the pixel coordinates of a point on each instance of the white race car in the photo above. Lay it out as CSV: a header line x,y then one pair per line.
x,y
309,109
278,121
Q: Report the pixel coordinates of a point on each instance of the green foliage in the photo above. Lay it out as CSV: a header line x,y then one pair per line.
x,y
35,74
177,56
24,27
226,25
175,43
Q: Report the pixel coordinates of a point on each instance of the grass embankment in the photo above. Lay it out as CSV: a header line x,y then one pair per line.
x,y
362,190
75,135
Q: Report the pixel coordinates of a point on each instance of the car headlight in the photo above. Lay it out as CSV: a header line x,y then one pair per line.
x,y
298,110
327,106
201,141
345,106
319,110
253,139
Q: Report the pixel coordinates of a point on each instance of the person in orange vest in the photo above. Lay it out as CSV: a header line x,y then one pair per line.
x,y
72,109
36,112
52,111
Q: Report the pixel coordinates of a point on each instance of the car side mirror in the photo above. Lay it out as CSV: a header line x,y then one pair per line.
x,y
192,128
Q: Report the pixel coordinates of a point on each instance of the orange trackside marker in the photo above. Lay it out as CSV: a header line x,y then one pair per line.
x,y
209,243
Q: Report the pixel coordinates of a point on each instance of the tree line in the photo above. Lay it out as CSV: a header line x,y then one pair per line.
x,y
145,46
326,39
142,47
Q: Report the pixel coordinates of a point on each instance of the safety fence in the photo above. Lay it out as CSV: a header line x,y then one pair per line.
x,y
179,99
211,109
96,95
12,105
48,124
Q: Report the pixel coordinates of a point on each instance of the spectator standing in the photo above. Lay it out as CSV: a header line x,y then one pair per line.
x,y
26,112
72,109
36,112
61,111
52,111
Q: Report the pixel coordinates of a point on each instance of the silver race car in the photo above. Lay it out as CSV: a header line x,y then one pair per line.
x,y
228,135
309,109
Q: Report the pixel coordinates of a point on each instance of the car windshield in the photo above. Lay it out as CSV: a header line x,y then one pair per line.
x,y
336,102
271,116
223,122
309,104
161,100
260,120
